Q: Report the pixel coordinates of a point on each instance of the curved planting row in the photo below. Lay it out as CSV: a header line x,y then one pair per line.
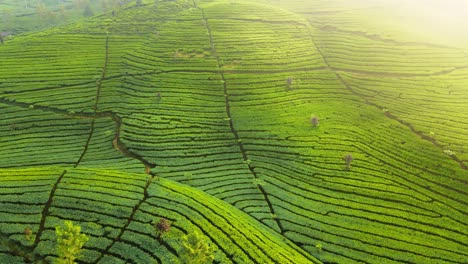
x,y
116,210
423,88
52,70
178,46
24,192
246,110
263,47
35,137
305,177
62,67
175,114
357,53
400,201
248,11
435,107
186,134
102,149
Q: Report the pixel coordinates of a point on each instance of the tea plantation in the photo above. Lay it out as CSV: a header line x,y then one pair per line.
x,y
233,119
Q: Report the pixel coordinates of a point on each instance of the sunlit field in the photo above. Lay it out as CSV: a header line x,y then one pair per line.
x,y
228,131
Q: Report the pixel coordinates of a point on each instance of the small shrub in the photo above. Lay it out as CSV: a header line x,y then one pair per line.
x,y
195,249
188,176
319,247
28,233
162,227
258,182
289,83
449,152
70,242
314,121
348,158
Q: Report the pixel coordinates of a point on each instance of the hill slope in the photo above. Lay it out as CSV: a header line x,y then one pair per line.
x,y
117,211
215,98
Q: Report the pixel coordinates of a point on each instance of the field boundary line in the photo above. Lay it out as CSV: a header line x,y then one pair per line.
x,y
231,123
387,114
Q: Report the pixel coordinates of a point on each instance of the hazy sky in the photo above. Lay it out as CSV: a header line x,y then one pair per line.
x,y
444,18
442,21
439,10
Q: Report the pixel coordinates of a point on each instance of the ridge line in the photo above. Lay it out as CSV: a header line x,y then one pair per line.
x,y
231,124
96,103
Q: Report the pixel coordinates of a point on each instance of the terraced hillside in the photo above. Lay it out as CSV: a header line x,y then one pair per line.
x,y
200,112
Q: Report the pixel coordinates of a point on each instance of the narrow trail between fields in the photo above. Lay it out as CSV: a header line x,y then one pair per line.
x,y
46,212
231,123
96,102
93,116
116,142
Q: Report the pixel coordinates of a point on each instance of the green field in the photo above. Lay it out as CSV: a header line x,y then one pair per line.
x,y
200,112
25,16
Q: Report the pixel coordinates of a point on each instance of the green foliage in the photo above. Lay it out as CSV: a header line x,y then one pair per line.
x,y
28,233
258,181
289,83
449,152
319,247
188,176
162,227
348,158
69,242
186,132
195,249
314,120
41,14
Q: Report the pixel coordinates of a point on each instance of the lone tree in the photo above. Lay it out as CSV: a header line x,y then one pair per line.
x,y
314,121
69,242
162,227
348,158
196,250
